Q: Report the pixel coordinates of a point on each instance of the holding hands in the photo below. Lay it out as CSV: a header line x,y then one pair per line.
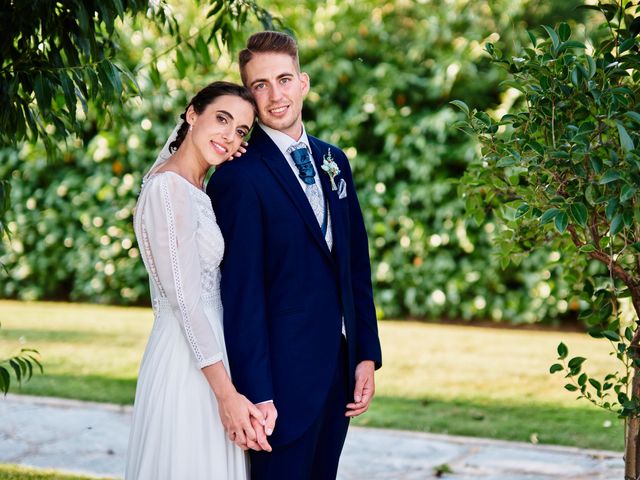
x,y
246,424
239,418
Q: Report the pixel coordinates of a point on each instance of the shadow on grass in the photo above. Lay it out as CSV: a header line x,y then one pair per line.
x,y
93,388
579,426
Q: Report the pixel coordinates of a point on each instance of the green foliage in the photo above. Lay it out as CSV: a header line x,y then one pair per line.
x,y
564,169
19,366
382,76
60,59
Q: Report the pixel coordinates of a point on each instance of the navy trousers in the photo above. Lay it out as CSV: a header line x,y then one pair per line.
x,y
315,455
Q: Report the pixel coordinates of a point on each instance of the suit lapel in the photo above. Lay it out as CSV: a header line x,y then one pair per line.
x,y
280,168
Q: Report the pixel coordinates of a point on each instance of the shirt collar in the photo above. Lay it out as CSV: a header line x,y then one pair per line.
x,y
284,141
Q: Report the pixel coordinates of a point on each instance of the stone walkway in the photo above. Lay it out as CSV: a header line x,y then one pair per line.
x,y
91,438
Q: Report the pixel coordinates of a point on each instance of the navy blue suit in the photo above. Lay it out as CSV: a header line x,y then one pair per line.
x,y
284,292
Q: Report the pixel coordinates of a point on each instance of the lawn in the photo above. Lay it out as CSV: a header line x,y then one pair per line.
x,y
487,382
15,472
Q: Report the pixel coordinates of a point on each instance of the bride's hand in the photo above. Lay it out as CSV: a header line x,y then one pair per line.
x,y
236,412
242,149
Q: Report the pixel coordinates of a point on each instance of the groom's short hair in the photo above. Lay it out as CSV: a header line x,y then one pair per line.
x,y
268,42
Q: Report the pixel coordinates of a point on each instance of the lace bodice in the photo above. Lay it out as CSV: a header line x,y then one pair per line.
x,y
182,247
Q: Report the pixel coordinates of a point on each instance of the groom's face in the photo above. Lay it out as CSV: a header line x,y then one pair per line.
x,y
279,89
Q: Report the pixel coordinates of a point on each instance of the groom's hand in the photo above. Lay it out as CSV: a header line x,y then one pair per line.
x,y
270,415
365,388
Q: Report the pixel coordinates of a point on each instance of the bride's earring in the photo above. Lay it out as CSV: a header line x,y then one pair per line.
x,y
190,128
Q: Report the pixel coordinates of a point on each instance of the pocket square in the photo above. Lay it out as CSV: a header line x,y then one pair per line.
x,y
342,189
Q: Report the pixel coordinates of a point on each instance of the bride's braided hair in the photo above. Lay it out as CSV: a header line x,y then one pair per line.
x,y
204,98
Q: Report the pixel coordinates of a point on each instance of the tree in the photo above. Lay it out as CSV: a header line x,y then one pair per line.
x,y
60,64
565,169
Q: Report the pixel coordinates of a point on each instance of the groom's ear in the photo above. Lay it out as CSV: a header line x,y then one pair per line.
x,y
305,80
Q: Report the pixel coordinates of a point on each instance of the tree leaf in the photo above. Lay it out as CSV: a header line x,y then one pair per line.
x,y
579,213
563,351
625,140
612,206
42,89
16,369
626,45
616,224
635,116
587,248
627,193
610,176
564,31
69,93
595,384
553,36
576,362
181,64
461,105
522,210
571,387
596,164
611,335
5,380
561,221
549,215
571,44
556,367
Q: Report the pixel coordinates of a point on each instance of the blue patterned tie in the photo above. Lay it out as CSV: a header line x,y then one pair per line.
x,y
302,159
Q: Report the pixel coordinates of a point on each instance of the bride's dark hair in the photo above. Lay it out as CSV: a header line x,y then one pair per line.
x,y
204,98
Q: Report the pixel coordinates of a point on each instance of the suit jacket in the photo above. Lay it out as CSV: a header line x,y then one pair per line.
x,y
284,293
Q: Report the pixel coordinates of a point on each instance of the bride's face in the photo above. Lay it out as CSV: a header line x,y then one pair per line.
x,y
219,130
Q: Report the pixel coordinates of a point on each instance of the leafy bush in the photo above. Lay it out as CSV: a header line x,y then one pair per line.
x,y
382,76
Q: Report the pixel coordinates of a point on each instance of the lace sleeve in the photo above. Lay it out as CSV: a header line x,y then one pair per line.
x,y
170,218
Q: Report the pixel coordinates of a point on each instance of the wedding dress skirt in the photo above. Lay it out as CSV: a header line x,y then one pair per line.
x,y
176,433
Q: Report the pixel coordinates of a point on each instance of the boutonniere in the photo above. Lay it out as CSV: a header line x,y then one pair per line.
x,y
332,169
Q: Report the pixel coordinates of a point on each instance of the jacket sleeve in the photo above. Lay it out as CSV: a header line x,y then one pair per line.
x,y
238,212
366,323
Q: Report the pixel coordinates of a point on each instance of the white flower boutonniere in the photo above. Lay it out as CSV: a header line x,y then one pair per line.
x,y
332,169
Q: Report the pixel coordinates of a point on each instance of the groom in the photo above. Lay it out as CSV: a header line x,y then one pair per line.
x,y
299,319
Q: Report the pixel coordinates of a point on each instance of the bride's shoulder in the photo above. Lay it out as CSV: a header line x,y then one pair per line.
x,y
167,184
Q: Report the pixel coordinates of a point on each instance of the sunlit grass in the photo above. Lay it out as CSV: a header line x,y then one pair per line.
x,y
15,472
456,379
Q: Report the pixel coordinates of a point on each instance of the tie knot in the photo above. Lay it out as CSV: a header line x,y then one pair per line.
x,y
302,160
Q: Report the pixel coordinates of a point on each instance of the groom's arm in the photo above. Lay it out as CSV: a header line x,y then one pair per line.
x,y
368,351
368,343
238,211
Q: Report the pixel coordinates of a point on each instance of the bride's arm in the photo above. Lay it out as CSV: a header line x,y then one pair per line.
x,y
171,222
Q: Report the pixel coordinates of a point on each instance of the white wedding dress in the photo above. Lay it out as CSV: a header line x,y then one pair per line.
x,y
176,433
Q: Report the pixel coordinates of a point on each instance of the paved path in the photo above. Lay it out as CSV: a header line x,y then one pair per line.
x,y
92,438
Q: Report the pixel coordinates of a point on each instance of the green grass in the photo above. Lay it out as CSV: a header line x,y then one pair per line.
x,y
14,472
461,380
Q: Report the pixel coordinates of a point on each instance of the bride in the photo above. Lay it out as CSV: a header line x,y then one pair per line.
x,y
189,422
